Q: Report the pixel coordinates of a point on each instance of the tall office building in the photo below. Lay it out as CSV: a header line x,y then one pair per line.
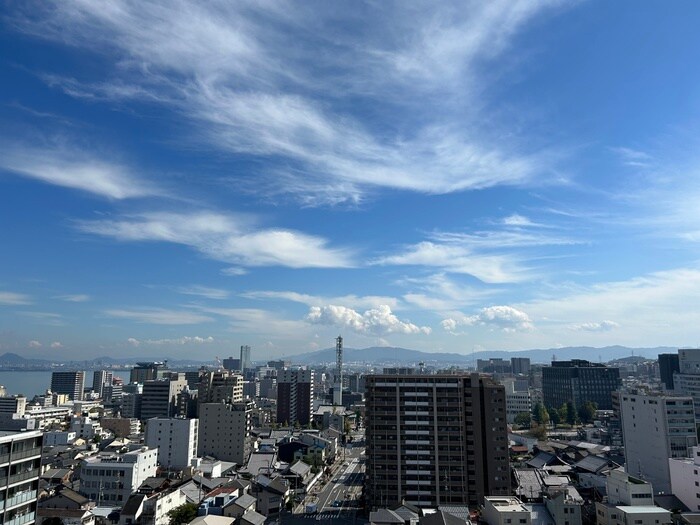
x,y
245,358
232,364
520,365
148,371
70,383
224,431
579,381
159,397
655,428
435,440
20,453
668,365
100,379
687,380
295,396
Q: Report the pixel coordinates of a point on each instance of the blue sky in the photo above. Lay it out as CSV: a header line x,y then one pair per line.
x,y
178,179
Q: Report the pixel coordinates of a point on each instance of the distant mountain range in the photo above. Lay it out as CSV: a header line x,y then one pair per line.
x,y
382,354
372,355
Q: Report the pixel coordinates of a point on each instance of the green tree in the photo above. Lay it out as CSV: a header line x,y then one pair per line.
x,y
537,413
539,432
523,419
586,412
563,413
571,415
554,416
183,514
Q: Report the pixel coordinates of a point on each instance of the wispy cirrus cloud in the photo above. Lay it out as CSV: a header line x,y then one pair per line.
x,y
180,341
353,301
73,298
226,238
14,298
240,73
158,316
72,167
203,291
375,321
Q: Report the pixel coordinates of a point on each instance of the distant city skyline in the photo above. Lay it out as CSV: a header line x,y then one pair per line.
x,y
184,179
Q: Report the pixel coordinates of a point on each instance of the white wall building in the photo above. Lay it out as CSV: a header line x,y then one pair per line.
x,y
110,479
505,510
175,438
654,428
685,479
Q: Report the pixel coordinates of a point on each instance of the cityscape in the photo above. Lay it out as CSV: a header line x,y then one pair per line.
x,y
300,262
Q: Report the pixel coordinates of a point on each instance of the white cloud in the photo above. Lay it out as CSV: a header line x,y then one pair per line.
x,y
73,168
12,298
352,301
34,344
234,271
73,298
56,344
180,341
204,291
602,326
518,220
506,318
634,158
226,238
158,316
240,73
376,321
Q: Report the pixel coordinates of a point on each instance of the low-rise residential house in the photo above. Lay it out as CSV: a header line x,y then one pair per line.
x,y
272,494
240,506
153,509
505,510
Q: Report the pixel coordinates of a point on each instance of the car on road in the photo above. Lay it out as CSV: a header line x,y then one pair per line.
x,y
337,503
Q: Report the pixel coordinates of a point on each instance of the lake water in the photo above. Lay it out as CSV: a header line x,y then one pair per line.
x,y
28,383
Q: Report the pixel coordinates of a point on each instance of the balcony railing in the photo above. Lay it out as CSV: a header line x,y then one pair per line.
x,y
23,476
22,497
28,453
21,520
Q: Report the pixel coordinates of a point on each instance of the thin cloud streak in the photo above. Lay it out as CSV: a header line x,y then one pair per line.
x,y
231,70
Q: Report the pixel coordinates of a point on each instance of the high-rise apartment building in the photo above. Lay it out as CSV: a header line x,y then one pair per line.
x,y
224,431
579,381
70,383
655,428
20,455
159,397
176,440
217,386
295,396
245,358
435,440
668,365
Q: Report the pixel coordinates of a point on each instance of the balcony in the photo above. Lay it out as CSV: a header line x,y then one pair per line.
x,y
24,476
21,497
21,520
28,453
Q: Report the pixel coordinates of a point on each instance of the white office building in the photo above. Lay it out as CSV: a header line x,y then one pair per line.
x,y
655,428
175,438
